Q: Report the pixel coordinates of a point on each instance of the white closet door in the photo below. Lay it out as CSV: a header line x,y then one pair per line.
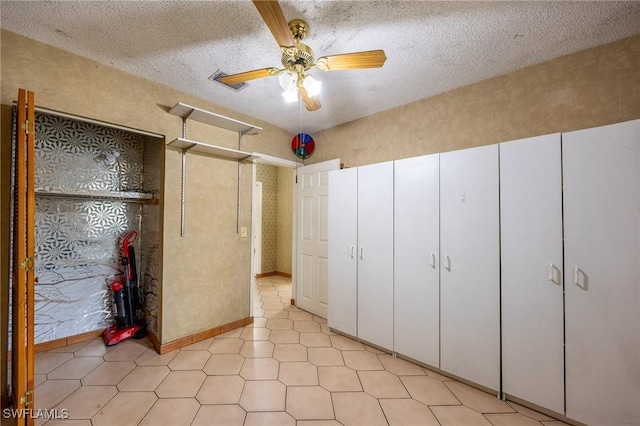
x,y
469,278
343,240
416,259
375,254
531,252
601,170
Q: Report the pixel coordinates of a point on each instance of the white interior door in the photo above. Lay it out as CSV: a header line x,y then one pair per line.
x,y
532,265
257,229
343,246
601,171
470,265
312,259
416,258
375,254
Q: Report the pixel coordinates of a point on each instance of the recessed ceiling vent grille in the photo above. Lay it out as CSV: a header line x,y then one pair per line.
x,y
216,76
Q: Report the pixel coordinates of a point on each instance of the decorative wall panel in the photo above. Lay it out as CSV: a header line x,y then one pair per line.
x,y
77,256
74,155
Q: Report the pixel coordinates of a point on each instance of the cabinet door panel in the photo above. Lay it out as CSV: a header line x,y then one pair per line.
x,y
532,263
469,252
416,259
343,240
601,172
375,254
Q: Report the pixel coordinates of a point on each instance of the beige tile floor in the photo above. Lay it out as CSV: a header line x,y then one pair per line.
x,y
287,368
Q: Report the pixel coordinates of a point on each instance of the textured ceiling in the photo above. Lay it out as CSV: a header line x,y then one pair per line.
x,y
432,47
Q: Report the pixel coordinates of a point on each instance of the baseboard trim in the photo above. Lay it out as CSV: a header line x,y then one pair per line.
x,y
153,339
67,341
159,347
293,302
163,348
269,274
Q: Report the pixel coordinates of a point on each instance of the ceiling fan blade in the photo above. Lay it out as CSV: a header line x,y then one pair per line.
x,y
249,75
272,16
352,61
311,104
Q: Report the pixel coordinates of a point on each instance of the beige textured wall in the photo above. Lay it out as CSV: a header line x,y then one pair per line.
x,y
206,274
268,175
285,219
587,89
277,217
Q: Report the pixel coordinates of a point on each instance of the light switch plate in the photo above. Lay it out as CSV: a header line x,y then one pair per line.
x,y
243,232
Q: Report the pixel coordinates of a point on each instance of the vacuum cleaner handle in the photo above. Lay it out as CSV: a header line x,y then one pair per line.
x,y
133,273
127,250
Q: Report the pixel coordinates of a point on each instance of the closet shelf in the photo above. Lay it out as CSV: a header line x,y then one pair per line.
x,y
217,151
188,112
192,113
145,197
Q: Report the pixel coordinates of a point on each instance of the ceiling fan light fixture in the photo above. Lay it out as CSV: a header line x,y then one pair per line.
x,y
312,86
290,96
288,80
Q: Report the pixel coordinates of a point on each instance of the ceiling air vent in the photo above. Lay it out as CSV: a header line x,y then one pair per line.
x,y
216,76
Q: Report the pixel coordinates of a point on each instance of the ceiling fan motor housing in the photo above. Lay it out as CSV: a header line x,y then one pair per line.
x,y
297,58
299,29
299,55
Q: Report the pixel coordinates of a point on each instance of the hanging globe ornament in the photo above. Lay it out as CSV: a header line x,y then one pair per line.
x,y
303,145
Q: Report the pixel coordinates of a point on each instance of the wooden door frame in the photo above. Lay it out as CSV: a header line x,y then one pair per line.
x,y
23,300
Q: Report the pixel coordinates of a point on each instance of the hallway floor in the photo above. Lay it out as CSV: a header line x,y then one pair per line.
x,y
285,369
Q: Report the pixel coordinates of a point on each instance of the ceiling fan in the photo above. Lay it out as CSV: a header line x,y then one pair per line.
x,y
297,58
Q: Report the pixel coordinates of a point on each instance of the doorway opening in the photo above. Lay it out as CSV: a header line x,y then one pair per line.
x,y
273,244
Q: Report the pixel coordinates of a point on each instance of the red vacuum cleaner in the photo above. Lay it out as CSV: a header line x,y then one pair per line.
x,y
128,299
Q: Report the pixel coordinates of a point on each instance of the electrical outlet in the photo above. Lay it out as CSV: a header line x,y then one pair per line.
x,y
243,232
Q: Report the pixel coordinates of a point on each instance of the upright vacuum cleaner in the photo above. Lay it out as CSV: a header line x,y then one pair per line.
x,y
128,299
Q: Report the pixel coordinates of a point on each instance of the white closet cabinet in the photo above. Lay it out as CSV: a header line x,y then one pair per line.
x,y
470,265
601,171
361,253
532,264
416,280
375,254
343,241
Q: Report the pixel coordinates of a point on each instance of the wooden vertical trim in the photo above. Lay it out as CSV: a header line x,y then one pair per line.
x,y
18,325
31,229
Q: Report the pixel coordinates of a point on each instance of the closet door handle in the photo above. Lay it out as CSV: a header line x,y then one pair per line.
x,y
553,275
447,263
361,253
433,261
352,248
577,273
